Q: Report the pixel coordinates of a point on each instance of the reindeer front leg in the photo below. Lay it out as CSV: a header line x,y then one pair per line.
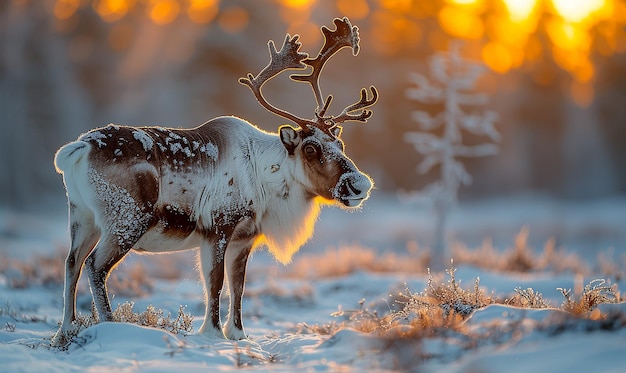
x,y
212,268
236,261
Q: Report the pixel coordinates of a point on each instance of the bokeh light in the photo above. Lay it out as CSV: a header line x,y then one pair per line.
x,y
202,11
64,9
297,4
112,10
580,10
163,12
520,10
461,22
233,20
353,9
506,34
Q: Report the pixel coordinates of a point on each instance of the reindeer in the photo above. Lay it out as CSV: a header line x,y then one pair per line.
x,y
226,187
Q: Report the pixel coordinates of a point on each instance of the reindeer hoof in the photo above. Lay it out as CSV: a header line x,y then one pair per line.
x,y
60,340
233,333
211,332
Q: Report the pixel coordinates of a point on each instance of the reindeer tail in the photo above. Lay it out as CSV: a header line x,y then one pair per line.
x,y
70,154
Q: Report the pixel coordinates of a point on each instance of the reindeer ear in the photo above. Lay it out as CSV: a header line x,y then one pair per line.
x,y
290,138
336,131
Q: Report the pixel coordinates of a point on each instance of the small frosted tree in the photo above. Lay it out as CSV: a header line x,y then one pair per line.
x,y
451,85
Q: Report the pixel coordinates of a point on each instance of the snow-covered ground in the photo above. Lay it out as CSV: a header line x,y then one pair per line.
x,y
285,315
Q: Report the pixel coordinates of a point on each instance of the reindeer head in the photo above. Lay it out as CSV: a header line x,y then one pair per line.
x,y
316,144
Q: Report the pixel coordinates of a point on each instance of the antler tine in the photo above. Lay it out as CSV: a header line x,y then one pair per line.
x,y
344,35
362,104
289,57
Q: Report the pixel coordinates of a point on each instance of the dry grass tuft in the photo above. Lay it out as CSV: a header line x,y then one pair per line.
x,y
610,266
439,307
320,329
345,260
301,296
595,293
151,317
528,298
131,282
154,318
49,271
452,297
520,257
440,311
40,270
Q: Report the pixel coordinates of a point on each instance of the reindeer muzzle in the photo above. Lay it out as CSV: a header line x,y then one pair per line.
x,y
352,189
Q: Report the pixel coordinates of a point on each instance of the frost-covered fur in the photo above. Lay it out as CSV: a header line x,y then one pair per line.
x,y
226,187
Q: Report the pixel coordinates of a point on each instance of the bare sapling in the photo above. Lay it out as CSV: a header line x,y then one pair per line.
x,y
452,85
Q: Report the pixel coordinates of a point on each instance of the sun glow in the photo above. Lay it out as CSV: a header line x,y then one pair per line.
x,y
112,10
461,23
579,10
203,11
466,2
506,34
163,12
297,3
520,10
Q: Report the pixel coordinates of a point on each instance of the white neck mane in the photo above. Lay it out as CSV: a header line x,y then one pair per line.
x,y
288,215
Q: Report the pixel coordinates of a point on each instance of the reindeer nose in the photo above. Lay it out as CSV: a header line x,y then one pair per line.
x,y
353,189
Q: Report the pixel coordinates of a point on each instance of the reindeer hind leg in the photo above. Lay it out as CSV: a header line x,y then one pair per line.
x,y
107,254
83,237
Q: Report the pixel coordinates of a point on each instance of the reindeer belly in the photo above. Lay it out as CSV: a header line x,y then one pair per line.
x,y
173,228
157,240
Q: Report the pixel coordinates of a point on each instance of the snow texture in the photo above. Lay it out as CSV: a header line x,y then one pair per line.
x,y
96,136
144,138
125,220
280,311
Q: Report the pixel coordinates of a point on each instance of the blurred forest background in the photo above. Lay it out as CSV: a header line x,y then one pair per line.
x,y
557,78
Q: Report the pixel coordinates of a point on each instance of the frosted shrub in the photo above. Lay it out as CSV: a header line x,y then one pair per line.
x,y
521,257
595,293
154,318
461,301
451,297
151,317
124,313
529,298
437,316
439,308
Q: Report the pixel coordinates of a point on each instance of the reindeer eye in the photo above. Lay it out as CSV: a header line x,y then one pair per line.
x,y
310,150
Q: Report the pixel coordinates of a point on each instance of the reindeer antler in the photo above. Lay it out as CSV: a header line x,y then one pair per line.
x,y
345,35
289,57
